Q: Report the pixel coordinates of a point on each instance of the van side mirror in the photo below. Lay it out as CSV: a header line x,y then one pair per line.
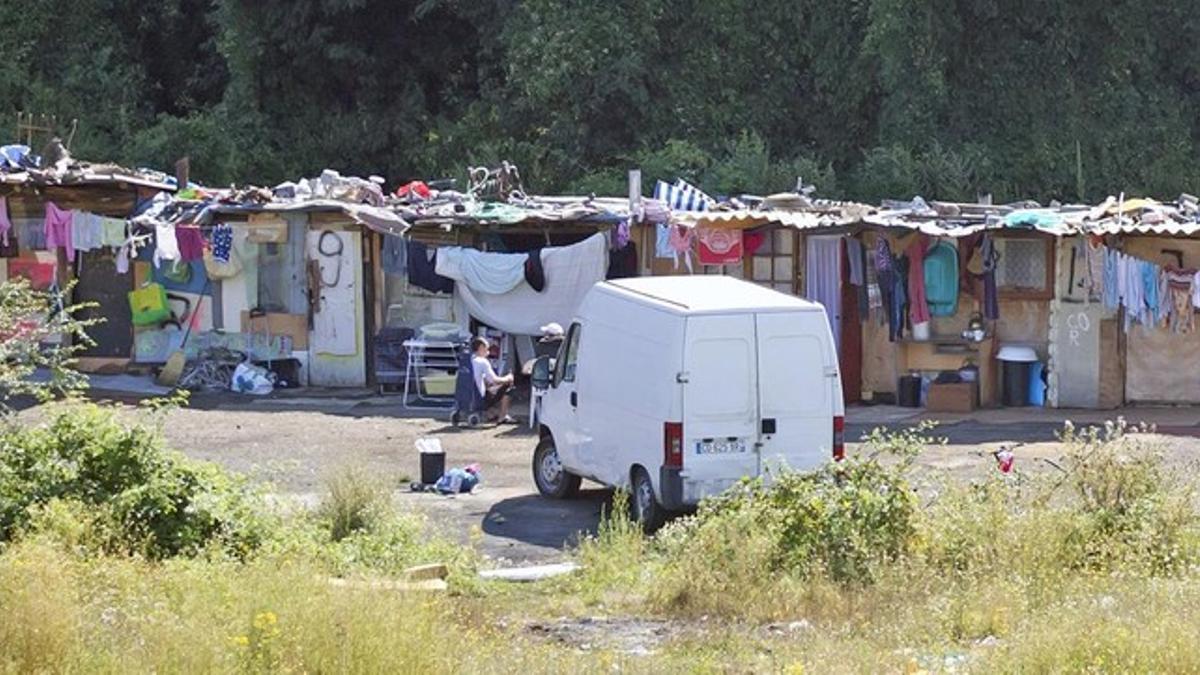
x,y
540,376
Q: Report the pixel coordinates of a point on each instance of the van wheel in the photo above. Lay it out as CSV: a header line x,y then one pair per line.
x,y
551,478
643,505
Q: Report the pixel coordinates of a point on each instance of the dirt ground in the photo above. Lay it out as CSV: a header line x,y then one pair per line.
x,y
294,444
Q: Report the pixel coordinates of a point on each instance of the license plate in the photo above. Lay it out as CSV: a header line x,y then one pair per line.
x,y
720,447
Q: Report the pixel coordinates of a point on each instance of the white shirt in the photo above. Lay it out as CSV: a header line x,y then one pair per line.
x,y
484,375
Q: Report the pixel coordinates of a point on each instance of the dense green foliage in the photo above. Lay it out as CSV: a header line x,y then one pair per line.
x,y
120,487
868,98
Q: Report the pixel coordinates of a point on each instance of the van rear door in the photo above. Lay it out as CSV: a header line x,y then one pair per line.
x,y
720,403
799,390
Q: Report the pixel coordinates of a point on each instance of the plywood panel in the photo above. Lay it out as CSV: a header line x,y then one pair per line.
x,y
1163,366
879,358
1112,365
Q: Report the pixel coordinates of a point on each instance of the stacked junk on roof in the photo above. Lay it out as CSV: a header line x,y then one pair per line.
x,y
334,281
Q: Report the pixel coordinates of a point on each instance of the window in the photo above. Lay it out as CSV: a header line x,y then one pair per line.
x,y
565,366
1025,269
774,263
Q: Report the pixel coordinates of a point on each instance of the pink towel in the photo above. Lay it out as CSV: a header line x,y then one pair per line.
x,y
58,230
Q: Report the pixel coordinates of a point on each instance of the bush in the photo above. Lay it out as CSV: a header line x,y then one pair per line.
x,y
356,502
1110,507
139,496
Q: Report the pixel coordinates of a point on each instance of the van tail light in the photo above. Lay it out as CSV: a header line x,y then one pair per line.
x,y
839,438
673,445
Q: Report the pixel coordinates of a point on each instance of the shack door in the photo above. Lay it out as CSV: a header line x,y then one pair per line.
x,y
850,349
336,344
99,283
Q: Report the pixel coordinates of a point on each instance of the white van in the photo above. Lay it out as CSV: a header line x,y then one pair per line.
x,y
677,387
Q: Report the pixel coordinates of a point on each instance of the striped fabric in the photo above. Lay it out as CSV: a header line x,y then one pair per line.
x,y
682,196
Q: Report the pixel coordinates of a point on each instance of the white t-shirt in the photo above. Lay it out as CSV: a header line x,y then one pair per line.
x,y
484,375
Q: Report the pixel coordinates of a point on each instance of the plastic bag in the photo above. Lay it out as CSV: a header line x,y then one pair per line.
x,y
251,379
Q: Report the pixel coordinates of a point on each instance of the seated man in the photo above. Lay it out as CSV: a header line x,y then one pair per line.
x,y
493,388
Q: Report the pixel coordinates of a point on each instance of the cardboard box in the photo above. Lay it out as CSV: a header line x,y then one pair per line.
x,y
295,325
952,397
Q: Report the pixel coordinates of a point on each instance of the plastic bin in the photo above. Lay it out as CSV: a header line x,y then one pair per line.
x,y
433,460
1016,384
1017,360
909,391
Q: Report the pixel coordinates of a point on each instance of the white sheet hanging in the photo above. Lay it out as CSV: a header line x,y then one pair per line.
x,y
570,272
493,273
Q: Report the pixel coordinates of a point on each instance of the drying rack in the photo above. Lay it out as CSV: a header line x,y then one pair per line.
x,y
427,357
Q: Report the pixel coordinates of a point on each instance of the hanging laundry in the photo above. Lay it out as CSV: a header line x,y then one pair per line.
x,y
682,196
190,242
31,233
623,262
222,244
1196,290
493,273
422,269
989,259
918,305
1164,299
900,300
1112,279
394,254
166,247
854,256
681,245
1150,291
1132,289
571,271
5,223
662,241
535,274
1181,285
58,230
621,235
86,232
112,232
891,287
718,246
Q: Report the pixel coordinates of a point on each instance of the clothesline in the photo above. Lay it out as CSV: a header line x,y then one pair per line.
x,y
1150,294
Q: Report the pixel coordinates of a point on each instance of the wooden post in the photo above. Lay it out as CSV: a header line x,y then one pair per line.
x,y
183,169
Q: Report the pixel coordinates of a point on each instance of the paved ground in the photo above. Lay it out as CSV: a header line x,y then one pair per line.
x,y
295,443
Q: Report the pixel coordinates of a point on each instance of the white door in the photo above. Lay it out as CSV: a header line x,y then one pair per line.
x,y
720,404
336,345
823,279
796,370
